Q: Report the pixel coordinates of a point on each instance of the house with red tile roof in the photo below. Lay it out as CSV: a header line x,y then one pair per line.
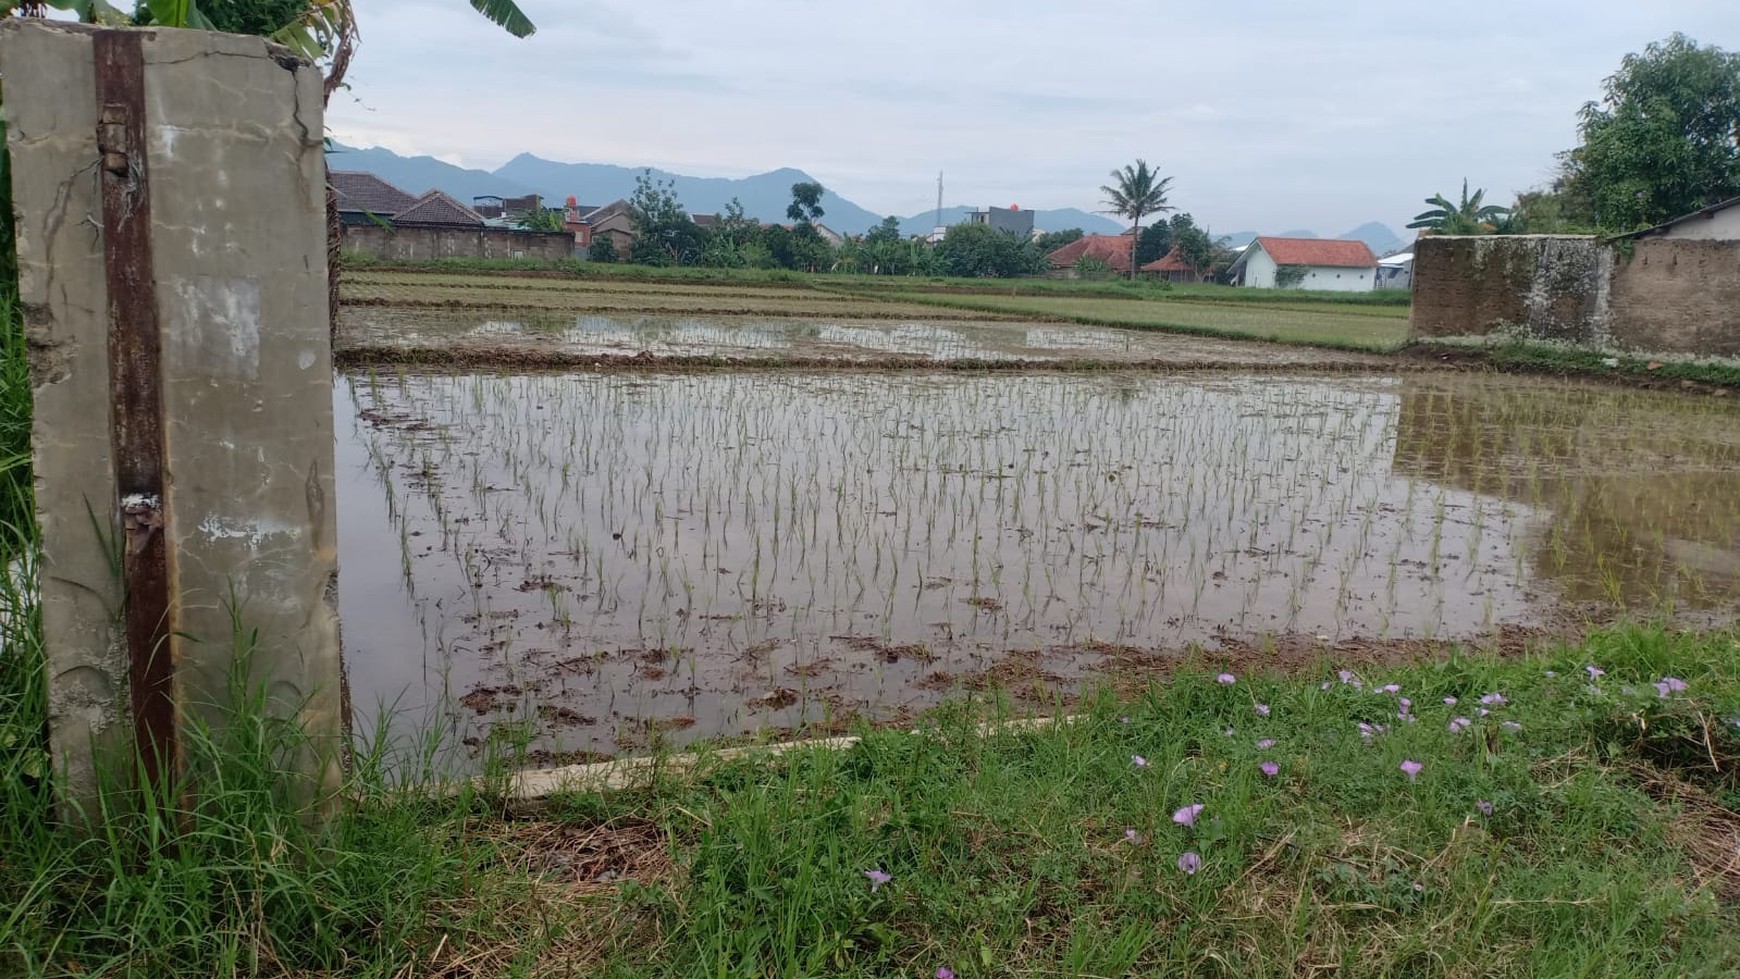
x,y
1173,268
1114,250
1327,264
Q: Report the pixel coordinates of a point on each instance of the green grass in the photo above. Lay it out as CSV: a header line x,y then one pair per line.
x,y
1530,357
1007,851
1379,329
1112,288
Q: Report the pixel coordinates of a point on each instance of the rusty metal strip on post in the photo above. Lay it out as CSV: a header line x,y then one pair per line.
x,y
135,395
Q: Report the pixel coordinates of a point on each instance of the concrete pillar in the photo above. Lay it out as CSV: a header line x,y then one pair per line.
x,y
170,194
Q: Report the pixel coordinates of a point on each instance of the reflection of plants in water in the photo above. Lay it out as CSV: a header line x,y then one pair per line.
x,y
716,513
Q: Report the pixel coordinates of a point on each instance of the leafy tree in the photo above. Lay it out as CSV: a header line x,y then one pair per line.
x,y
1051,241
1545,212
323,31
981,251
1093,267
1153,243
1663,141
663,233
542,219
888,230
810,251
806,203
734,226
1136,191
1470,217
1195,247
602,249
776,241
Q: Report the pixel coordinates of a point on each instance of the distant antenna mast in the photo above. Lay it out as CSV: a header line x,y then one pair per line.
x,y
939,199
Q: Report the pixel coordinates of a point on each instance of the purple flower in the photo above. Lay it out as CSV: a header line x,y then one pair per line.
x,y
1459,724
1484,807
1595,672
1673,684
1265,744
1449,701
877,879
1481,712
1226,678
1270,769
1412,769
1407,705
1190,861
1391,688
1345,676
1263,710
1131,836
944,972
1494,700
1511,726
1187,815
1138,761
1326,685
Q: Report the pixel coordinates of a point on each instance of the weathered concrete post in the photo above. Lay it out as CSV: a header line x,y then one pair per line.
x,y
170,196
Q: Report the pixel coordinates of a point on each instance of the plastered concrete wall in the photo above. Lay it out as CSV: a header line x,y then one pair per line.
x,y
233,154
1648,296
424,244
1677,295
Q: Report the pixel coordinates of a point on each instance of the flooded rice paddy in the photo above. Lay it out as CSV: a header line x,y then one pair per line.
x,y
778,337
593,562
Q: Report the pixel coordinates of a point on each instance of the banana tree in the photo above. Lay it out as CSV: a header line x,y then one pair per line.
x,y
1469,217
323,31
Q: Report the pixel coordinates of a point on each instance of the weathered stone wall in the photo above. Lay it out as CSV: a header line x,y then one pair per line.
x,y
227,161
1649,295
1547,286
424,244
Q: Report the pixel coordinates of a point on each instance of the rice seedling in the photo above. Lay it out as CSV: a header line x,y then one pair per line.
x,y
964,519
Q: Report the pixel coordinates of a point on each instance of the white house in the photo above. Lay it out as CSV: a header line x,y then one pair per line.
x,y
1331,265
1718,222
1396,272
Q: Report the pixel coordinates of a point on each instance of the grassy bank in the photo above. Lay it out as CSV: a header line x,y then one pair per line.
x,y
1582,825
1526,357
1107,288
1377,328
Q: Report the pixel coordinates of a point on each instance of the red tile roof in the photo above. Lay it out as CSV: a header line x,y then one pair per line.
x,y
1172,262
362,191
436,207
1114,250
1334,253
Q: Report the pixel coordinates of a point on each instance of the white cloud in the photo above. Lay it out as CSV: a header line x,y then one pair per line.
x,y
1270,115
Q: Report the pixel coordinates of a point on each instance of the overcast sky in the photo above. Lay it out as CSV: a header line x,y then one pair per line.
x,y
1269,115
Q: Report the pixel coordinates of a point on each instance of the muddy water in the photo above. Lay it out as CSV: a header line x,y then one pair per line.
x,y
752,337
590,562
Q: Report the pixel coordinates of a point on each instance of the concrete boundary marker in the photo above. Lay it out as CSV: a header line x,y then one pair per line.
x,y
536,786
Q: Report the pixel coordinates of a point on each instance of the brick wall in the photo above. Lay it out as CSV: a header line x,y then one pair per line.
x,y
422,244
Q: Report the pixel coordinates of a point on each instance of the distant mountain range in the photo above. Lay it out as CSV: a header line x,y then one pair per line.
x,y
764,196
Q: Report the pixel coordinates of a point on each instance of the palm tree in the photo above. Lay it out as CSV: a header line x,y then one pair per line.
x,y
1467,218
1138,191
